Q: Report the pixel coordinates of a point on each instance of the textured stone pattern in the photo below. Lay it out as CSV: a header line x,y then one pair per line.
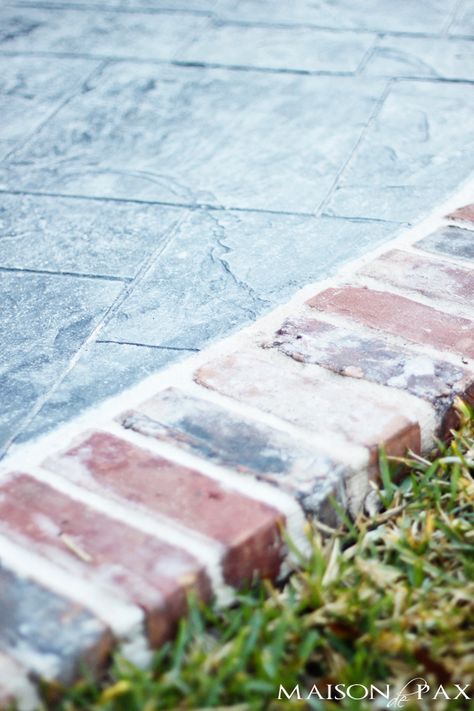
x,y
188,488
199,160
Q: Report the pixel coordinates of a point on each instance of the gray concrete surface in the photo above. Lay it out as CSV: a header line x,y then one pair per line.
x,y
171,169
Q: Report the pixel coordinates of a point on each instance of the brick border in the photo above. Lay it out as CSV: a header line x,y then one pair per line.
x,y
185,481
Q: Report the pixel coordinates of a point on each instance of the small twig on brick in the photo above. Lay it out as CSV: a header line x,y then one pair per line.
x,y
69,543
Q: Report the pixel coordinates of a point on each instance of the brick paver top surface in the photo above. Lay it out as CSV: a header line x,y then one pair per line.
x,y
171,170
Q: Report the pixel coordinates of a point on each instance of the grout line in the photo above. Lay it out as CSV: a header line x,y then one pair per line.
x,y
171,62
187,206
80,275
83,7
367,57
452,17
364,220
148,345
242,68
432,80
212,14
373,115
466,38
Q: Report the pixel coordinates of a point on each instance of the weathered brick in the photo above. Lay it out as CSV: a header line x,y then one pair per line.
x,y
452,241
314,400
425,276
400,316
218,435
120,559
463,214
249,530
357,354
45,631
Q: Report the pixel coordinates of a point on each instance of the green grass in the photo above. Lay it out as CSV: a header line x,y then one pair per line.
x,y
381,600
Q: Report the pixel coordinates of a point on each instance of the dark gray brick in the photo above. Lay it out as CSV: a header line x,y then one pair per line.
x,y
212,432
46,631
450,240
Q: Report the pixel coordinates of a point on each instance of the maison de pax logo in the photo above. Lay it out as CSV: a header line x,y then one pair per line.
x,y
416,689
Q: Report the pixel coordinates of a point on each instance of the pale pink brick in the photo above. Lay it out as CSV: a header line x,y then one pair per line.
x,y
430,277
299,394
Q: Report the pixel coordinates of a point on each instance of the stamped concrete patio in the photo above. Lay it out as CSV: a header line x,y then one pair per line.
x,y
171,170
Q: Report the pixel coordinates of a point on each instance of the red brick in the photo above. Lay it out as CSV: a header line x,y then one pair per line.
x,y
463,214
399,316
45,630
249,529
298,393
122,560
429,277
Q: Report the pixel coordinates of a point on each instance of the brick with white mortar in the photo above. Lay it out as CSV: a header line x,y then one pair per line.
x,y
184,481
